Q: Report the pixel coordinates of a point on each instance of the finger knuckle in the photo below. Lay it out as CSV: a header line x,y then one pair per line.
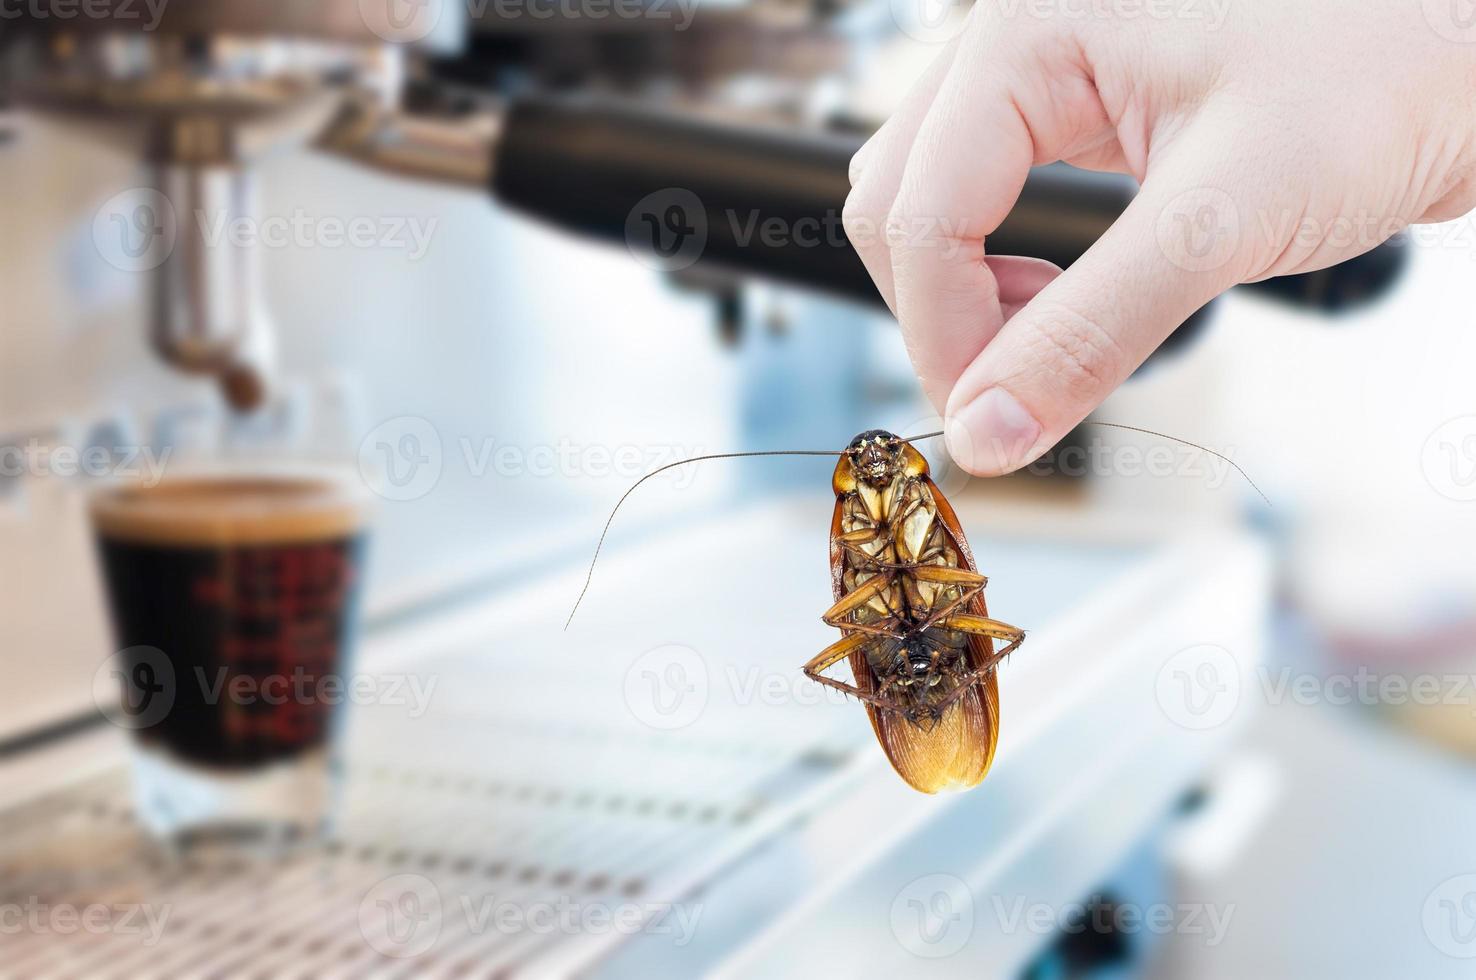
x,y
908,231
861,217
1083,355
857,166
897,225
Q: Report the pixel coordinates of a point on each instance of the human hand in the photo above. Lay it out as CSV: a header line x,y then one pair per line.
x,y
1286,139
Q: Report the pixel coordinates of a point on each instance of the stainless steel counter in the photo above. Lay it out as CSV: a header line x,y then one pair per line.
x,y
660,788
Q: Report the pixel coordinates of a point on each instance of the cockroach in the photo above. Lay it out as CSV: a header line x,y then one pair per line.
x,y
910,606
909,602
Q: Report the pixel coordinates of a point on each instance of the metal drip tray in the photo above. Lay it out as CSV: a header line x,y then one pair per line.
x,y
477,878
434,870
656,791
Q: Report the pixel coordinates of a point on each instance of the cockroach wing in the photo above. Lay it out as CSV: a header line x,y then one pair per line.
x,y
955,754
981,648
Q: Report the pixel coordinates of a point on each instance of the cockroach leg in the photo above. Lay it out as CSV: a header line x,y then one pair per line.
x,y
837,652
943,575
965,684
957,575
855,600
865,560
861,535
853,691
872,629
833,655
996,630
981,626
899,520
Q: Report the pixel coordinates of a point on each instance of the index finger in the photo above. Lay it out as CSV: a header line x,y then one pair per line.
x,y
965,171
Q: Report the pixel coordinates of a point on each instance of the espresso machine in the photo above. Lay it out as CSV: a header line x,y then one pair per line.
x,y
630,132
641,762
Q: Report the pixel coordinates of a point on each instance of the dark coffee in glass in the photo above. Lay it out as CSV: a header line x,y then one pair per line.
x,y
233,600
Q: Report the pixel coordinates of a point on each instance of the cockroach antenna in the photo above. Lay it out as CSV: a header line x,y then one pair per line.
x,y
599,546
1191,445
589,577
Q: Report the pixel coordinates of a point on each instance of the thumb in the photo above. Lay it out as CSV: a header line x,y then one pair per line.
x,y
1178,245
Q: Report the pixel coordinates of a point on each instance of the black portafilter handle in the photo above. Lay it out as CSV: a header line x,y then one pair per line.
x,y
768,201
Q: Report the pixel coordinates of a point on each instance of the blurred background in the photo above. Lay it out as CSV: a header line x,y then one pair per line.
x,y
490,260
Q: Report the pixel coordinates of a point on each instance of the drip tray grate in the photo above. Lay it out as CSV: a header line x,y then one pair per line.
x,y
517,800
430,874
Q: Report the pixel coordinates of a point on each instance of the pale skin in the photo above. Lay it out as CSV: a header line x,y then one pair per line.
x,y
1292,136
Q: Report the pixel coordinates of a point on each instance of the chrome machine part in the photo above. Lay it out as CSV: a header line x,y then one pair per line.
x,y
206,301
456,149
200,91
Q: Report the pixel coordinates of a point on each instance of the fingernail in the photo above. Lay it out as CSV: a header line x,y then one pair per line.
x,y
992,434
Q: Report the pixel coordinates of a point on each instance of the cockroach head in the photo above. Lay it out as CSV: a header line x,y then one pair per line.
x,y
876,456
